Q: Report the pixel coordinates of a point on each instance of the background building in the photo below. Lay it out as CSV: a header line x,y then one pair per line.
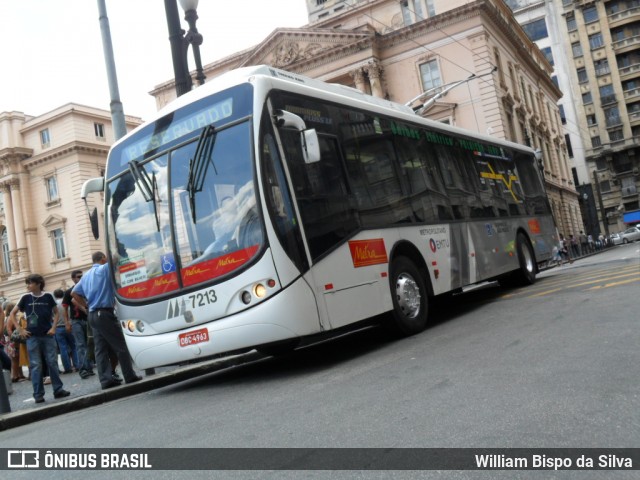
x,y
44,160
599,73
604,39
400,49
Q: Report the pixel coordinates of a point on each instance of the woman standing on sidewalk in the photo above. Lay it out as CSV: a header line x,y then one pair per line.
x,y
18,351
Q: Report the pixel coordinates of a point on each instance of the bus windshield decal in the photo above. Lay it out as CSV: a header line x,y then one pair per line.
x,y
201,118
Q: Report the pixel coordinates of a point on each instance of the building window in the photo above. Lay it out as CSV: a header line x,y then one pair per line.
x,y
586,98
567,140
546,51
571,22
536,30
430,74
59,247
417,10
601,164
6,258
431,9
606,94
616,135
591,120
52,189
45,138
563,117
590,14
406,14
605,186
582,75
621,163
612,116
576,48
595,41
595,141
602,67
98,128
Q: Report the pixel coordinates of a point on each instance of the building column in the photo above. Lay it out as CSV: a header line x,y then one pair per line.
x,y
375,73
358,78
11,230
20,259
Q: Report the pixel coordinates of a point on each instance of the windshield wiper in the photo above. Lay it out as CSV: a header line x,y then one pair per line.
x,y
199,165
141,177
148,186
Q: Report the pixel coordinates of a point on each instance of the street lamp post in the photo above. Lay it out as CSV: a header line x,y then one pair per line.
x,y
180,41
193,37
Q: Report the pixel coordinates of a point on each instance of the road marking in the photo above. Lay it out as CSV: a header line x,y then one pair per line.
x,y
631,280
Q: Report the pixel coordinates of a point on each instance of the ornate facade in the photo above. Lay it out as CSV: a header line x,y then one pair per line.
x,y
399,50
44,161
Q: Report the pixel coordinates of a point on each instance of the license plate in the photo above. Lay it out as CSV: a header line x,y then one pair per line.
x,y
191,338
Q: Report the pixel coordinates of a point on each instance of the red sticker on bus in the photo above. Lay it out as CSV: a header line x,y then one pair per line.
x,y
368,252
534,226
216,267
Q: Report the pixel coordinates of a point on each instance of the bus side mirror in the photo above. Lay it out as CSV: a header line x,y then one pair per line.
x,y
310,146
92,185
308,138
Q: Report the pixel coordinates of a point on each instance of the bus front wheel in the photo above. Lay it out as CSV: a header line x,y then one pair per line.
x,y
410,299
526,274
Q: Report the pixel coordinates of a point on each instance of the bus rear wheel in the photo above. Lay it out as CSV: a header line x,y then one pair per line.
x,y
526,274
410,298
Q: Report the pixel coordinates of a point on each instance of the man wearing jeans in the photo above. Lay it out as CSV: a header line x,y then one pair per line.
x,y
78,316
95,292
41,312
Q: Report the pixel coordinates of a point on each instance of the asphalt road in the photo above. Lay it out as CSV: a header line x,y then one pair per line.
x,y
551,365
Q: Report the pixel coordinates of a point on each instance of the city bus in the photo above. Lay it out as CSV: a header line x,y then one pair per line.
x,y
264,209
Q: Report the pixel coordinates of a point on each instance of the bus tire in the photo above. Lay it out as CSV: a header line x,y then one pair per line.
x,y
526,274
410,298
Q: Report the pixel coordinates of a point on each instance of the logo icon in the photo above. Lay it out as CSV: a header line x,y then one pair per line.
x,y
23,459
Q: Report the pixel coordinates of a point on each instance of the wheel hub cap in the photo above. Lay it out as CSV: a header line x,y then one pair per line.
x,y
408,295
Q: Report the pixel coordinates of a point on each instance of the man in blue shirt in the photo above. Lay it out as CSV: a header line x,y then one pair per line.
x,y
95,292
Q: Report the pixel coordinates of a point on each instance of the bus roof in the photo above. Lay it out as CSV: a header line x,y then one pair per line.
x,y
299,83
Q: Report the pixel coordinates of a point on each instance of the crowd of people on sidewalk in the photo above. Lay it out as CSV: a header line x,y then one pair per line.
x,y
573,247
77,328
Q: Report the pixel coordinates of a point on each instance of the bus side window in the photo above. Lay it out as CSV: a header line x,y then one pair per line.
x,y
326,208
279,204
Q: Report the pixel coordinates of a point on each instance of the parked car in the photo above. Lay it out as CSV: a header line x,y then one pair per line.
x,y
630,235
616,238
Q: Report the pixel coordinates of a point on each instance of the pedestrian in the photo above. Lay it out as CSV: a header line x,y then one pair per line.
x,y
5,361
64,337
584,243
563,248
16,348
41,312
77,314
95,292
573,245
592,247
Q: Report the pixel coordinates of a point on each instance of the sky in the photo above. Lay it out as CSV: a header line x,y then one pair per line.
x,y
51,50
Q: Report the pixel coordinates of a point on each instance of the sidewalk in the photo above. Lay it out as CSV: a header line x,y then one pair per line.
x,y
88,393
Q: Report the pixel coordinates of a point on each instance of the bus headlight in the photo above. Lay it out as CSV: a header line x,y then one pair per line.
x,y
246,297
133,325
259,290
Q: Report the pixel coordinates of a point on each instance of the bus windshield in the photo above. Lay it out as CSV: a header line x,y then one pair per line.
x,y
167,236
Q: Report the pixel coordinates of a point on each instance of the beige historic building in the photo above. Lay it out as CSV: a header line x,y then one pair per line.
x,y
44,160
401,49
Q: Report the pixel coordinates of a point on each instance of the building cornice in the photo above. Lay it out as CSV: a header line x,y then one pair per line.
x,y
66,150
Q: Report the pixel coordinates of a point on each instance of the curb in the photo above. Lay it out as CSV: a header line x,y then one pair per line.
x,y
24,417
